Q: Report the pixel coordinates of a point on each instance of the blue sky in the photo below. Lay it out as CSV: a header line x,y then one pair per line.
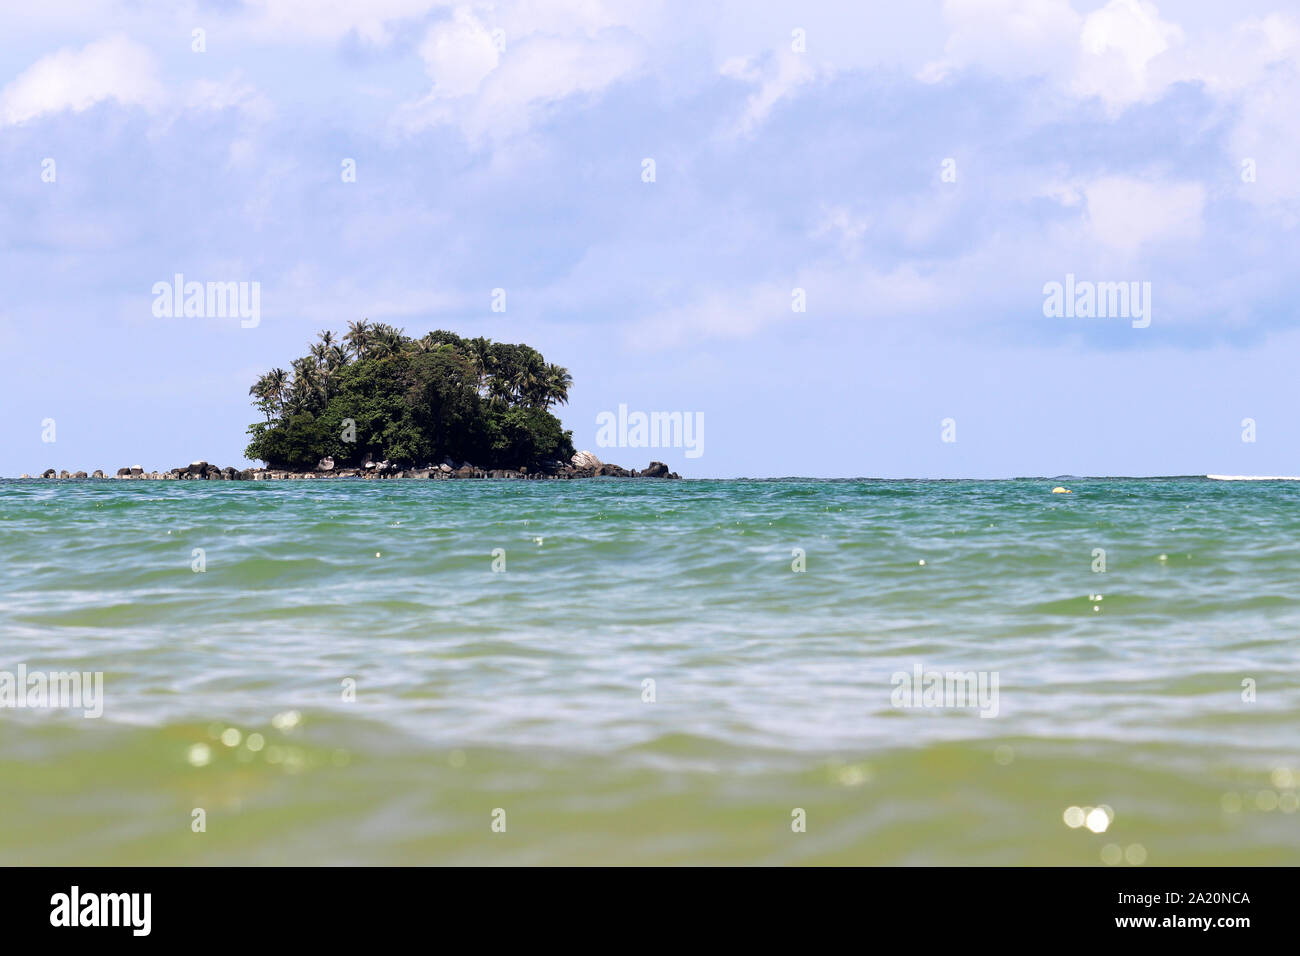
x,y
795,146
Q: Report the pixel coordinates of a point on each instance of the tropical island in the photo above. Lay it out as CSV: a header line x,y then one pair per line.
x,y
380,395
378,403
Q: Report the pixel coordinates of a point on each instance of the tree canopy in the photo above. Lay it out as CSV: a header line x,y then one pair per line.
x,y
378,393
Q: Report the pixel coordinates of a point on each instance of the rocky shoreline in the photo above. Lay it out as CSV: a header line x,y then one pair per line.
x,y
583,465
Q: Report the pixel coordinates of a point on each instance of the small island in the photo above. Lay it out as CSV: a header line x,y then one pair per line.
x,y
377,403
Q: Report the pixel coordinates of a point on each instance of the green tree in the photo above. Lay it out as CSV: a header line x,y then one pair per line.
x,y
411,401
358,337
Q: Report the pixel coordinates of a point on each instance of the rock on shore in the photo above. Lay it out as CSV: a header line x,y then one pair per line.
x,y
583,465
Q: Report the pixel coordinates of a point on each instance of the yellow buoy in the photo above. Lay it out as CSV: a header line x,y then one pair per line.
x,y
1058,490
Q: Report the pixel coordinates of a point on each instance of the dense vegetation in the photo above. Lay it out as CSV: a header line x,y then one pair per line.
x,y
380,394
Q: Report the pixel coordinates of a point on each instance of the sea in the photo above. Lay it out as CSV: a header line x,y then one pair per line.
x,y
650,672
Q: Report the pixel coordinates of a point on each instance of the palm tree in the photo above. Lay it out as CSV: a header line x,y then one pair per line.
x,y
387,341
427,343
358,337
307,383
270,390
480,360
528,378
277,385
294,403
258,390
558,381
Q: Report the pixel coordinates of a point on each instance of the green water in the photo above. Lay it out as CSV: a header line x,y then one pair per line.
x,y
523,690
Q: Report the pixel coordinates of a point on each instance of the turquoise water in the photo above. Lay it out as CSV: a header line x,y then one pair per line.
x,y
523,690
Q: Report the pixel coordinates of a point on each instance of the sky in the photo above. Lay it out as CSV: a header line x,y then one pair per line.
x,y
657,187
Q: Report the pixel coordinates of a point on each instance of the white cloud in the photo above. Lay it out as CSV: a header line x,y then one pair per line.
x,y
231,93
1065,193
1237,58
1267,133
113,68
726,315
1118,44
458,54
371,20
833,292
1123,53
844,225
1124,213
543,70
122,71
1011,38
1113,53
493,94
568,17
777,76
